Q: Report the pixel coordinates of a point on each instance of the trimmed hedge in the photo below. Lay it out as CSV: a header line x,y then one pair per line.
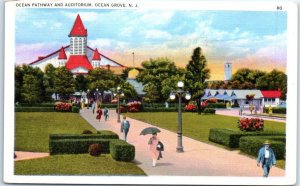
x,y
231,138
251,145
100,135
121,150
75,109
216,105
209,111
34,109
103,105
276,110
161,109
76,146
36,105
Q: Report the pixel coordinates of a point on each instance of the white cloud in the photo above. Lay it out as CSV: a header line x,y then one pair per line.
x,y
100,43
39,24
156,17
157,34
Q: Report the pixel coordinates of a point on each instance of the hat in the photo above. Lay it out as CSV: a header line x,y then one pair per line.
x,y
267,142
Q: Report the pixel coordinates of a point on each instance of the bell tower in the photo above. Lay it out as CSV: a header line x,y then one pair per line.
x,y
228,71
78,38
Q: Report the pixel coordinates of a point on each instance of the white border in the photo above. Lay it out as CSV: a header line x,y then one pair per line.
x,y
292,34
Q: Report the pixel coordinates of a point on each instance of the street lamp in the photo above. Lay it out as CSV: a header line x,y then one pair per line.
x,y
180,92
87,96
119,93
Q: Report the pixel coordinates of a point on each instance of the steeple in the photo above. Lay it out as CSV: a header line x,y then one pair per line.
x,y
62,57
78,38
96,59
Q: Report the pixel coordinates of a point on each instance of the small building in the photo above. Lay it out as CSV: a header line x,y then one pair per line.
x,y
271,97
138,86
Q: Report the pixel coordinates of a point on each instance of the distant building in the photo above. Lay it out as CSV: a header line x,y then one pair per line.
x,y
139,87
78,57
271,97
228,71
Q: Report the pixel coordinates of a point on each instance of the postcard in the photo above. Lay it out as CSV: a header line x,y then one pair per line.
x,y
150,92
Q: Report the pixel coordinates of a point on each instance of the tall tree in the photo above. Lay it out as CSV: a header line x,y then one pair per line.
x,y
81,83
64,82
30,89
197,73
48,80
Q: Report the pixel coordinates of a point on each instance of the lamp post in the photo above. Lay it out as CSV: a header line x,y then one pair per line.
x,y
87,97
180,92
119,93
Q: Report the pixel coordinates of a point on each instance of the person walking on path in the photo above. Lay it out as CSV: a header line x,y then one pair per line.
x,y
99,114
125,125
153,141
266,157
105,113
93,107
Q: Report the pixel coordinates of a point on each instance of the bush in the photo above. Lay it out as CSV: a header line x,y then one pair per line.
x,y
36,105
211,100
34,109
209,111
231,138
87,132
275,110
252,124
100,135
75,109
190,108
161,109
235,104
95,149
251,145
103,105
76,146
134,106
216,105
121,150
63,107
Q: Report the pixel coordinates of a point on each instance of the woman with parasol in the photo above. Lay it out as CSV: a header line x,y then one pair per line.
x,y
155,146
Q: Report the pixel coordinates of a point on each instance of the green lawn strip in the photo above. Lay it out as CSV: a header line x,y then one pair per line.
x,y
272,115
33,128
197,126
80,164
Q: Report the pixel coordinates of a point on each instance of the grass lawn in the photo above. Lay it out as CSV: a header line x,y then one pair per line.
x,y
197,126
33,128
80,164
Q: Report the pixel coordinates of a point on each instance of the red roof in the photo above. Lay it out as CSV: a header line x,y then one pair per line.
x,y
76,61
271,93
78,28
96,55
62,54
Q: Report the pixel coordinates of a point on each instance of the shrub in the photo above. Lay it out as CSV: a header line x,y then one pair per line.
x,y
252,124
36,105
121,150
212,100
161,109
134,106
76,146
190,108
100,135
209,111
75,109
87,132
231,138
216,105
34,109
235,104
251,145
95,149
63,107
103,105
275,110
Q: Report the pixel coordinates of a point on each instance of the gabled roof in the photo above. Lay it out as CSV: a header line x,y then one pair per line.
x,y
101,55
76,61
62,54
96,55
78,28
44,57
271,93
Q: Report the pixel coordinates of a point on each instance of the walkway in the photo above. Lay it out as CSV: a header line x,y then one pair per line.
x,y
21,155
199,159
235,112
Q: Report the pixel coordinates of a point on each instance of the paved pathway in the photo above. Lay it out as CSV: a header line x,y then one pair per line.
x,y
235,112
21,155
199,159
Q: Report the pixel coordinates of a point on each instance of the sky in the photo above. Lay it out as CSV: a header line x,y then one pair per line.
x,y
252,39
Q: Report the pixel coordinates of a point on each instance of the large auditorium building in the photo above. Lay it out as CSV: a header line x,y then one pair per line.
x,y
78,57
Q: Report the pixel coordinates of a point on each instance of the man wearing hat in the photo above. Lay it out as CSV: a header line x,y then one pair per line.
x,y
266,157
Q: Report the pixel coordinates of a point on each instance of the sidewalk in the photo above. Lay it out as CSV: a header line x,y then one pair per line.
x,y
198,159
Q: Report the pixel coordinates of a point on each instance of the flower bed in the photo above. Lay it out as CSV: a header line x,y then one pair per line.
x,y
252,124
190,108
134,106
63,107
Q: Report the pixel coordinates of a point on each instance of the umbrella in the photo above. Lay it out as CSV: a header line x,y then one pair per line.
x,y
149,130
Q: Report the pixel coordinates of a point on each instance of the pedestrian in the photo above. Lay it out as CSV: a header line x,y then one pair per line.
x,y
105,113
125,125
241,111
99,114
153,142
87,102
266,157
82,104
93,106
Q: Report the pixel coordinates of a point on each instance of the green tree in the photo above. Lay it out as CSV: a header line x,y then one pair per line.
x,y
246,78
18,83
81,83
272,81
154,72
129,91
30,89
102,79
197,73
64,82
